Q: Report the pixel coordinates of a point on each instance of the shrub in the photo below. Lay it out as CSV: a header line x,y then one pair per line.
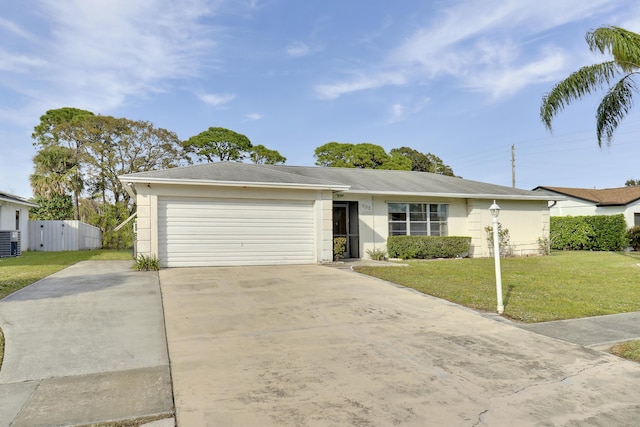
x,y
428,247
504,240
147,263
377,254
634,237
589,233
339,247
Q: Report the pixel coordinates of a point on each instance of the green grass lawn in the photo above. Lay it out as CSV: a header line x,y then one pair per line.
x,y
564,285
16,273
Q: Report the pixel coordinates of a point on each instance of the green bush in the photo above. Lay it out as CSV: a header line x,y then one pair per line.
x,y
339,247
504,241
147,263
428,247
378,254
589,233
634,237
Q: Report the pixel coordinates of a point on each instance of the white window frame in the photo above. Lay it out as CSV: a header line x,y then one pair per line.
x,y
442,212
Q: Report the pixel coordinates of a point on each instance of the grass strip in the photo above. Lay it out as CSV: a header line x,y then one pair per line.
x,y
564,285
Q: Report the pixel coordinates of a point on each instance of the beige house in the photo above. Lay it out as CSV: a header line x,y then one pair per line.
x,y
221,214
588,201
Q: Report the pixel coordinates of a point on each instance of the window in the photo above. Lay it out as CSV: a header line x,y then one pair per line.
x,y
417,219
636,218
17,219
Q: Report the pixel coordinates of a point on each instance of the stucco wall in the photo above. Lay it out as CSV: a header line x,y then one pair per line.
x,y
526,221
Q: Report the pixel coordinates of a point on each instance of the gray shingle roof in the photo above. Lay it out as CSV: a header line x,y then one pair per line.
x,y
16,199
374,181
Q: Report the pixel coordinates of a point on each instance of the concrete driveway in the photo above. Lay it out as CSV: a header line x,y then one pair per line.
x,y
316,346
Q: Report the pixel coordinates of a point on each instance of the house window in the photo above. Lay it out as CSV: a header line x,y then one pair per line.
x,y
636,219
417,219
17,219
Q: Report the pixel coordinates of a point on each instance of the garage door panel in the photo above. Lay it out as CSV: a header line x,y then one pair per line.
x,y
212,232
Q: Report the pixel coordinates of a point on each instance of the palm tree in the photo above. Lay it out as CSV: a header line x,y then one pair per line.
x,y
55,173
624,45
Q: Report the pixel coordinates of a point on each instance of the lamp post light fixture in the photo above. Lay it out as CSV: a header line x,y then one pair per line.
x,y
495,211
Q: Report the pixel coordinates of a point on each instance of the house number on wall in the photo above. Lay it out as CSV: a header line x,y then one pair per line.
x,y
365,207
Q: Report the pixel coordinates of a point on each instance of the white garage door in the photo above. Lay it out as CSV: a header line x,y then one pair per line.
x,y
219,232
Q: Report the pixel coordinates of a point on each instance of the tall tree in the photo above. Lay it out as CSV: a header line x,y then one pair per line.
x,y
616,74
118,146
262,155
55,172
363,156
219,143
60,128
421,162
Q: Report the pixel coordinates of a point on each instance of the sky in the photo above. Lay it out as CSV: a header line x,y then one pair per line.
x,y
459,79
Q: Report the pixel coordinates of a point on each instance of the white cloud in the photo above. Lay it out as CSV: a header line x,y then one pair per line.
x,y
399,111
217,99
254,116
473,40
298,49
360,82
97,54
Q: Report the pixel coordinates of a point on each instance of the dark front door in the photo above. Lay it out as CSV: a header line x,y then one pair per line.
x,y
345,224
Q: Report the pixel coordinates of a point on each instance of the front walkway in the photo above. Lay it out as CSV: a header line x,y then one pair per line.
x,y
85,345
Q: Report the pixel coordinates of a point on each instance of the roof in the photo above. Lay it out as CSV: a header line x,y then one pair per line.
x,y
601,197
6,197
349,180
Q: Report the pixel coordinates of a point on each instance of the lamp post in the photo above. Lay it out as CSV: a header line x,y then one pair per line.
x,y
495,211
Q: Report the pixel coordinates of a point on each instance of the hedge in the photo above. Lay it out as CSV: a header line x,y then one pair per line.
x,y
427,247
589,233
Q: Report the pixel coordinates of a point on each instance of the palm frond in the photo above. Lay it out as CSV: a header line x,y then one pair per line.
x,y
623,44
614,106
580,83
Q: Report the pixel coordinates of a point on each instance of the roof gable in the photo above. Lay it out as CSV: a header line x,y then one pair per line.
x,y
601,197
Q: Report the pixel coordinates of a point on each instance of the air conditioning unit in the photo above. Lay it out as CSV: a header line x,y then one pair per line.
x,y
9,243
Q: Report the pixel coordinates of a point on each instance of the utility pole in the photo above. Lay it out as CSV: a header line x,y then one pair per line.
x,y
513,165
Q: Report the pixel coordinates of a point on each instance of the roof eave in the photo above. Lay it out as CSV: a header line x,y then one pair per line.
x,y
457,195
19,202
278,185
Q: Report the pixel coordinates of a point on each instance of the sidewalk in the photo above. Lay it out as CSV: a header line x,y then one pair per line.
x,y
83,346
599,333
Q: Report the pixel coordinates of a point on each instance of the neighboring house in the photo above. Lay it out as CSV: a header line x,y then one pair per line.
x,y
225,213
587,201
14,216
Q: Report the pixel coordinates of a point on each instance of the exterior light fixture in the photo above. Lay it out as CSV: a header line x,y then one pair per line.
x,y
495,211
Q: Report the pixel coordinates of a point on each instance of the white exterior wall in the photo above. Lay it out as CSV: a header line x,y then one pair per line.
x,y
147,214
578,207
8,221
526,221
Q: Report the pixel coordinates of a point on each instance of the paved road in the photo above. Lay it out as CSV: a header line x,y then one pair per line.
x,y
312,345
84,345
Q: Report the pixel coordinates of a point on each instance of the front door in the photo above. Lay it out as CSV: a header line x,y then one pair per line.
x,y
345,224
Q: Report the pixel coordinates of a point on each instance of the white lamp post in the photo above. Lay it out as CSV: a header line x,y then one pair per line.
x,y
495,211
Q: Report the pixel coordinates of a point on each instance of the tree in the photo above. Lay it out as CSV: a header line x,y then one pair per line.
x,y
55,172
59,128
632,183
118,146
624,45
423,162
55,207
219,143
364,156
261,155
